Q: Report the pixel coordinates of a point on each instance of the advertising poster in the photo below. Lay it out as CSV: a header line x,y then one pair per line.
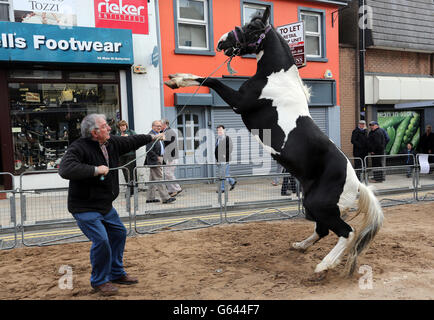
x,y
294,35
402,127
54,12
122,14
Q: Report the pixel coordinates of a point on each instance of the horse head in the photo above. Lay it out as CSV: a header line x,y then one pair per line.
x,y
246,39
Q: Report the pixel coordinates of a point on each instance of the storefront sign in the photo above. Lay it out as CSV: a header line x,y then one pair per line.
x,y
122,14
46,43
58,12
294,35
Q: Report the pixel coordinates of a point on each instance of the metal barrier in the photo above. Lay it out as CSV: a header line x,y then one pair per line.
x,y
270,202
198,197
8,221
392,174
46,209
425,176
31,208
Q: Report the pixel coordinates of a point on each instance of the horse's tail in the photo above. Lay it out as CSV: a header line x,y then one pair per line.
x,y
373,218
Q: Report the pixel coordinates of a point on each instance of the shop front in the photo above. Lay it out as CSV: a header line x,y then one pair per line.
x,y
50,78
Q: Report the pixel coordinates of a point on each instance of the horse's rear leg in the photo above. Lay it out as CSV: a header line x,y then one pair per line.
x,y
321,231
345,234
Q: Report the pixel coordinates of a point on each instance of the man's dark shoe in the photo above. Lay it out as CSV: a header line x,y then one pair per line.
x,y
169,200
126,279
106,289
151,201
233,186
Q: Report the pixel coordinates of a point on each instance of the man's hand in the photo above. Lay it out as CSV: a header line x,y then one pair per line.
x,y
103,170
160,136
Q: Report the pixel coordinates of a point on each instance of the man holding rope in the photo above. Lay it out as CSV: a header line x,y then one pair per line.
x,y
92,189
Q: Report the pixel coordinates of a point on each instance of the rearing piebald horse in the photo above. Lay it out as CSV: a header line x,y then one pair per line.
x,y
276,99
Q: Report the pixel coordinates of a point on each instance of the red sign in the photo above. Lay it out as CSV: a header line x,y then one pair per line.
x,y
122,14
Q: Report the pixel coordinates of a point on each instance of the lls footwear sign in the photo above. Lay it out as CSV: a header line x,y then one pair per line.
x,y
122,14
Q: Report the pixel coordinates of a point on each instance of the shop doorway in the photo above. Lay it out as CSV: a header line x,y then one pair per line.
x,y
188,124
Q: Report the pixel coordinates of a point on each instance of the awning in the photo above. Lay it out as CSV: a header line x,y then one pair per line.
x,y
381,89
421,104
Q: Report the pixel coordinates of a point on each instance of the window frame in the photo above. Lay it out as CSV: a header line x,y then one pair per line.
x,y
255,3
208,23
321,14
11,17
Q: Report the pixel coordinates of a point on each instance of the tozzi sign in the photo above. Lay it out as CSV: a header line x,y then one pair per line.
x,y
122,14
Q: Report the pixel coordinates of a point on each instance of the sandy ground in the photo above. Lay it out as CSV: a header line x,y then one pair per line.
x,y
239,261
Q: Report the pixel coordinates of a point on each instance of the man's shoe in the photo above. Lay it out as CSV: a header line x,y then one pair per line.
x,y
106,289
233,186
169,200
151,201
126,279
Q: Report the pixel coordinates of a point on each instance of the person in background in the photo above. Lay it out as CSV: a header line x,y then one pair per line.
x,y
92,190
376,148
411,155
359,139
128,159
154,157
222,153
426,145
170,157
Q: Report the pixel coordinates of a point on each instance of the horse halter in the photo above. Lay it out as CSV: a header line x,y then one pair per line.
x,y
239,45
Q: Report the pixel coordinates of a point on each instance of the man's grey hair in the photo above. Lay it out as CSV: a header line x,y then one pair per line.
x,y
89,123
166,122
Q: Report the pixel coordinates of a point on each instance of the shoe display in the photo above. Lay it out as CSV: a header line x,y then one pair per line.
x,y
152,201
169,200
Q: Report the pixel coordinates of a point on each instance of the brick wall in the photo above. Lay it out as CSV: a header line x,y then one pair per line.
x,y
399,62
349,95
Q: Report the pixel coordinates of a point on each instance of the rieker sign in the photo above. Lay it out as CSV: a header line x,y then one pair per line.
x,y
122,14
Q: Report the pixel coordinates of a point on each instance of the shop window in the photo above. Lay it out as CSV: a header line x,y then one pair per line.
x,y
92,75
4,10
193,26
46,117
315,37
35,74
251,8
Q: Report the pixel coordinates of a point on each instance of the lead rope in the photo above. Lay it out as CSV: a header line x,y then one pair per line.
x,y
230,70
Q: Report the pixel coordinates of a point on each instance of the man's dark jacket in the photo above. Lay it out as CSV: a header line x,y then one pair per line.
x,y
376,142
153,150
359,139
88,192
223,150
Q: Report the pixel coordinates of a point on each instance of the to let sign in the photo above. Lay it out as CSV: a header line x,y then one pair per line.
x,y
294,35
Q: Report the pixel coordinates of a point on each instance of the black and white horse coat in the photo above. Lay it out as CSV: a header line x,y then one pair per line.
x,y
276,99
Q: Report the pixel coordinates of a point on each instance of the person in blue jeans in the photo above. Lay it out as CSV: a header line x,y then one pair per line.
x,y
222,152
92,190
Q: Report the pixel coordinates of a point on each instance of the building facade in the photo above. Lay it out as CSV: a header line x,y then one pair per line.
x,y
191,30
61,60
398,66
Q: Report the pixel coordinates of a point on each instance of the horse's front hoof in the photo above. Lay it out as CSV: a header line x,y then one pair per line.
x,y
171,84
318,276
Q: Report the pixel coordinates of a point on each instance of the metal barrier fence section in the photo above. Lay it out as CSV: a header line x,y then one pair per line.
x,y
425,176
40,216
8,221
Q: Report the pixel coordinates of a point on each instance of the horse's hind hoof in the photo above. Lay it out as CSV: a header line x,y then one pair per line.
x,y
318,276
